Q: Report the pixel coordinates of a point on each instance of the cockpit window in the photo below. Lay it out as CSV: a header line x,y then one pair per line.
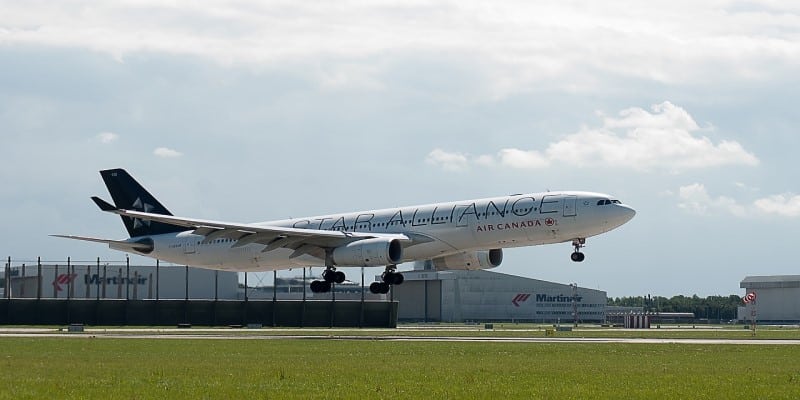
x,y
606,202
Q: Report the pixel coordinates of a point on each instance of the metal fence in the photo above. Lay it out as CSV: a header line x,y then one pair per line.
x,y
118,293
100,279
114,280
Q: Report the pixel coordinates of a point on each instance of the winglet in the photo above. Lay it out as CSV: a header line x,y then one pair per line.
x,y
103,204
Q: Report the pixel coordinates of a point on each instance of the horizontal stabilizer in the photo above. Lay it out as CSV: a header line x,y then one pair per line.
x,y
104,205
141,245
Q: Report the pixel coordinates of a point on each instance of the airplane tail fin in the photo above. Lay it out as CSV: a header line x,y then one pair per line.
x,y
128,194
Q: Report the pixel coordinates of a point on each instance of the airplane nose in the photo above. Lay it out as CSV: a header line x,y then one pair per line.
x,y
627,212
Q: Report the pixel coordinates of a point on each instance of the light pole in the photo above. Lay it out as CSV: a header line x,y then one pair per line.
x,y
574,303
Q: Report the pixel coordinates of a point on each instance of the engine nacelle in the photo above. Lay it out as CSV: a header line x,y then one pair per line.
x,y
369,253
470,260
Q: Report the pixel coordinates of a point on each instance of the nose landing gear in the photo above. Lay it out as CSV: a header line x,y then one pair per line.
x,y
576,255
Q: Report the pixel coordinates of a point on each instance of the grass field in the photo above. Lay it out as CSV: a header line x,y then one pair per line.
x,y
53,368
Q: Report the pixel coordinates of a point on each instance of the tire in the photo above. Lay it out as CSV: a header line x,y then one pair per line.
x,y
339,277
326,287
375,288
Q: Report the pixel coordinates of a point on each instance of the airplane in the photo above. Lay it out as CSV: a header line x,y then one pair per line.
x,y
459,235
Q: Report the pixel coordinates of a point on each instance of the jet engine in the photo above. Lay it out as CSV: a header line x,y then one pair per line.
x,y
469,260
369,253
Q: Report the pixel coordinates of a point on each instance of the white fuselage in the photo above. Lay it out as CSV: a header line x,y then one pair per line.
x,y
445,229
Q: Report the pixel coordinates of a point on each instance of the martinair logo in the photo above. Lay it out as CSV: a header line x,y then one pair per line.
x,y
63,279
520,298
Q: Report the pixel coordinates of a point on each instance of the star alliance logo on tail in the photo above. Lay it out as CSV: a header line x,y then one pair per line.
x,y
139,205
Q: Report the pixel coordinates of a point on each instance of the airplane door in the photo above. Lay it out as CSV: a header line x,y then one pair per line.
x,y
190,247
570,209
465,216
462,217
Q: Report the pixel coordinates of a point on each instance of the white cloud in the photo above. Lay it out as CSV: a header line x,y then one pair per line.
x,y
695,199
746,188
638,139
784,205
516,158
519,44
484,161
447,161
664,138
166,152
107,137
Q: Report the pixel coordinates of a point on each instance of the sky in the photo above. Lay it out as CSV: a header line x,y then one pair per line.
x,y
251,111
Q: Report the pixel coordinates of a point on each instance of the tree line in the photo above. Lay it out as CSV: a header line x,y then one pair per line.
x,y
712,307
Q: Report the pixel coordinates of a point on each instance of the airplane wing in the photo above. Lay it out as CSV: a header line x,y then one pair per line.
x,y
302,241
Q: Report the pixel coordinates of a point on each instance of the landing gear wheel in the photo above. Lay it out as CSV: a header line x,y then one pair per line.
x,y
320,287
374,288
391,277
331,275
379,288
578,244
338,277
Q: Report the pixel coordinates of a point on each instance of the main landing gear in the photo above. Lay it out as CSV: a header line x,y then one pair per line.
x,y
329,276
388,277
579,243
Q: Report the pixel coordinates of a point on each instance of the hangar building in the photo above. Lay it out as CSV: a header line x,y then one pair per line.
x,y
120,282
458,296
777,299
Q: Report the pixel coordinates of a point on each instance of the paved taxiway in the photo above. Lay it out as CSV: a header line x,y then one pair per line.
x,y
249,334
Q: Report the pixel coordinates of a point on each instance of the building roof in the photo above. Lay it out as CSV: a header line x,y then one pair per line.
x,y
770,282
486,276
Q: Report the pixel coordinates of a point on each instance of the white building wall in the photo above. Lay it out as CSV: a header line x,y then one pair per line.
x,y
777,298
775,304
120,282
484,295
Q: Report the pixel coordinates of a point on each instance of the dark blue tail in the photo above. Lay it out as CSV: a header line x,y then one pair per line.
x,y
130,195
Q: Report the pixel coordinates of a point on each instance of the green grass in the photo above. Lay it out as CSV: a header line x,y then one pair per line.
x,y
195,369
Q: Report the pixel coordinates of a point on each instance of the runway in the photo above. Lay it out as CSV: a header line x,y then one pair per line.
x,y
340,335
